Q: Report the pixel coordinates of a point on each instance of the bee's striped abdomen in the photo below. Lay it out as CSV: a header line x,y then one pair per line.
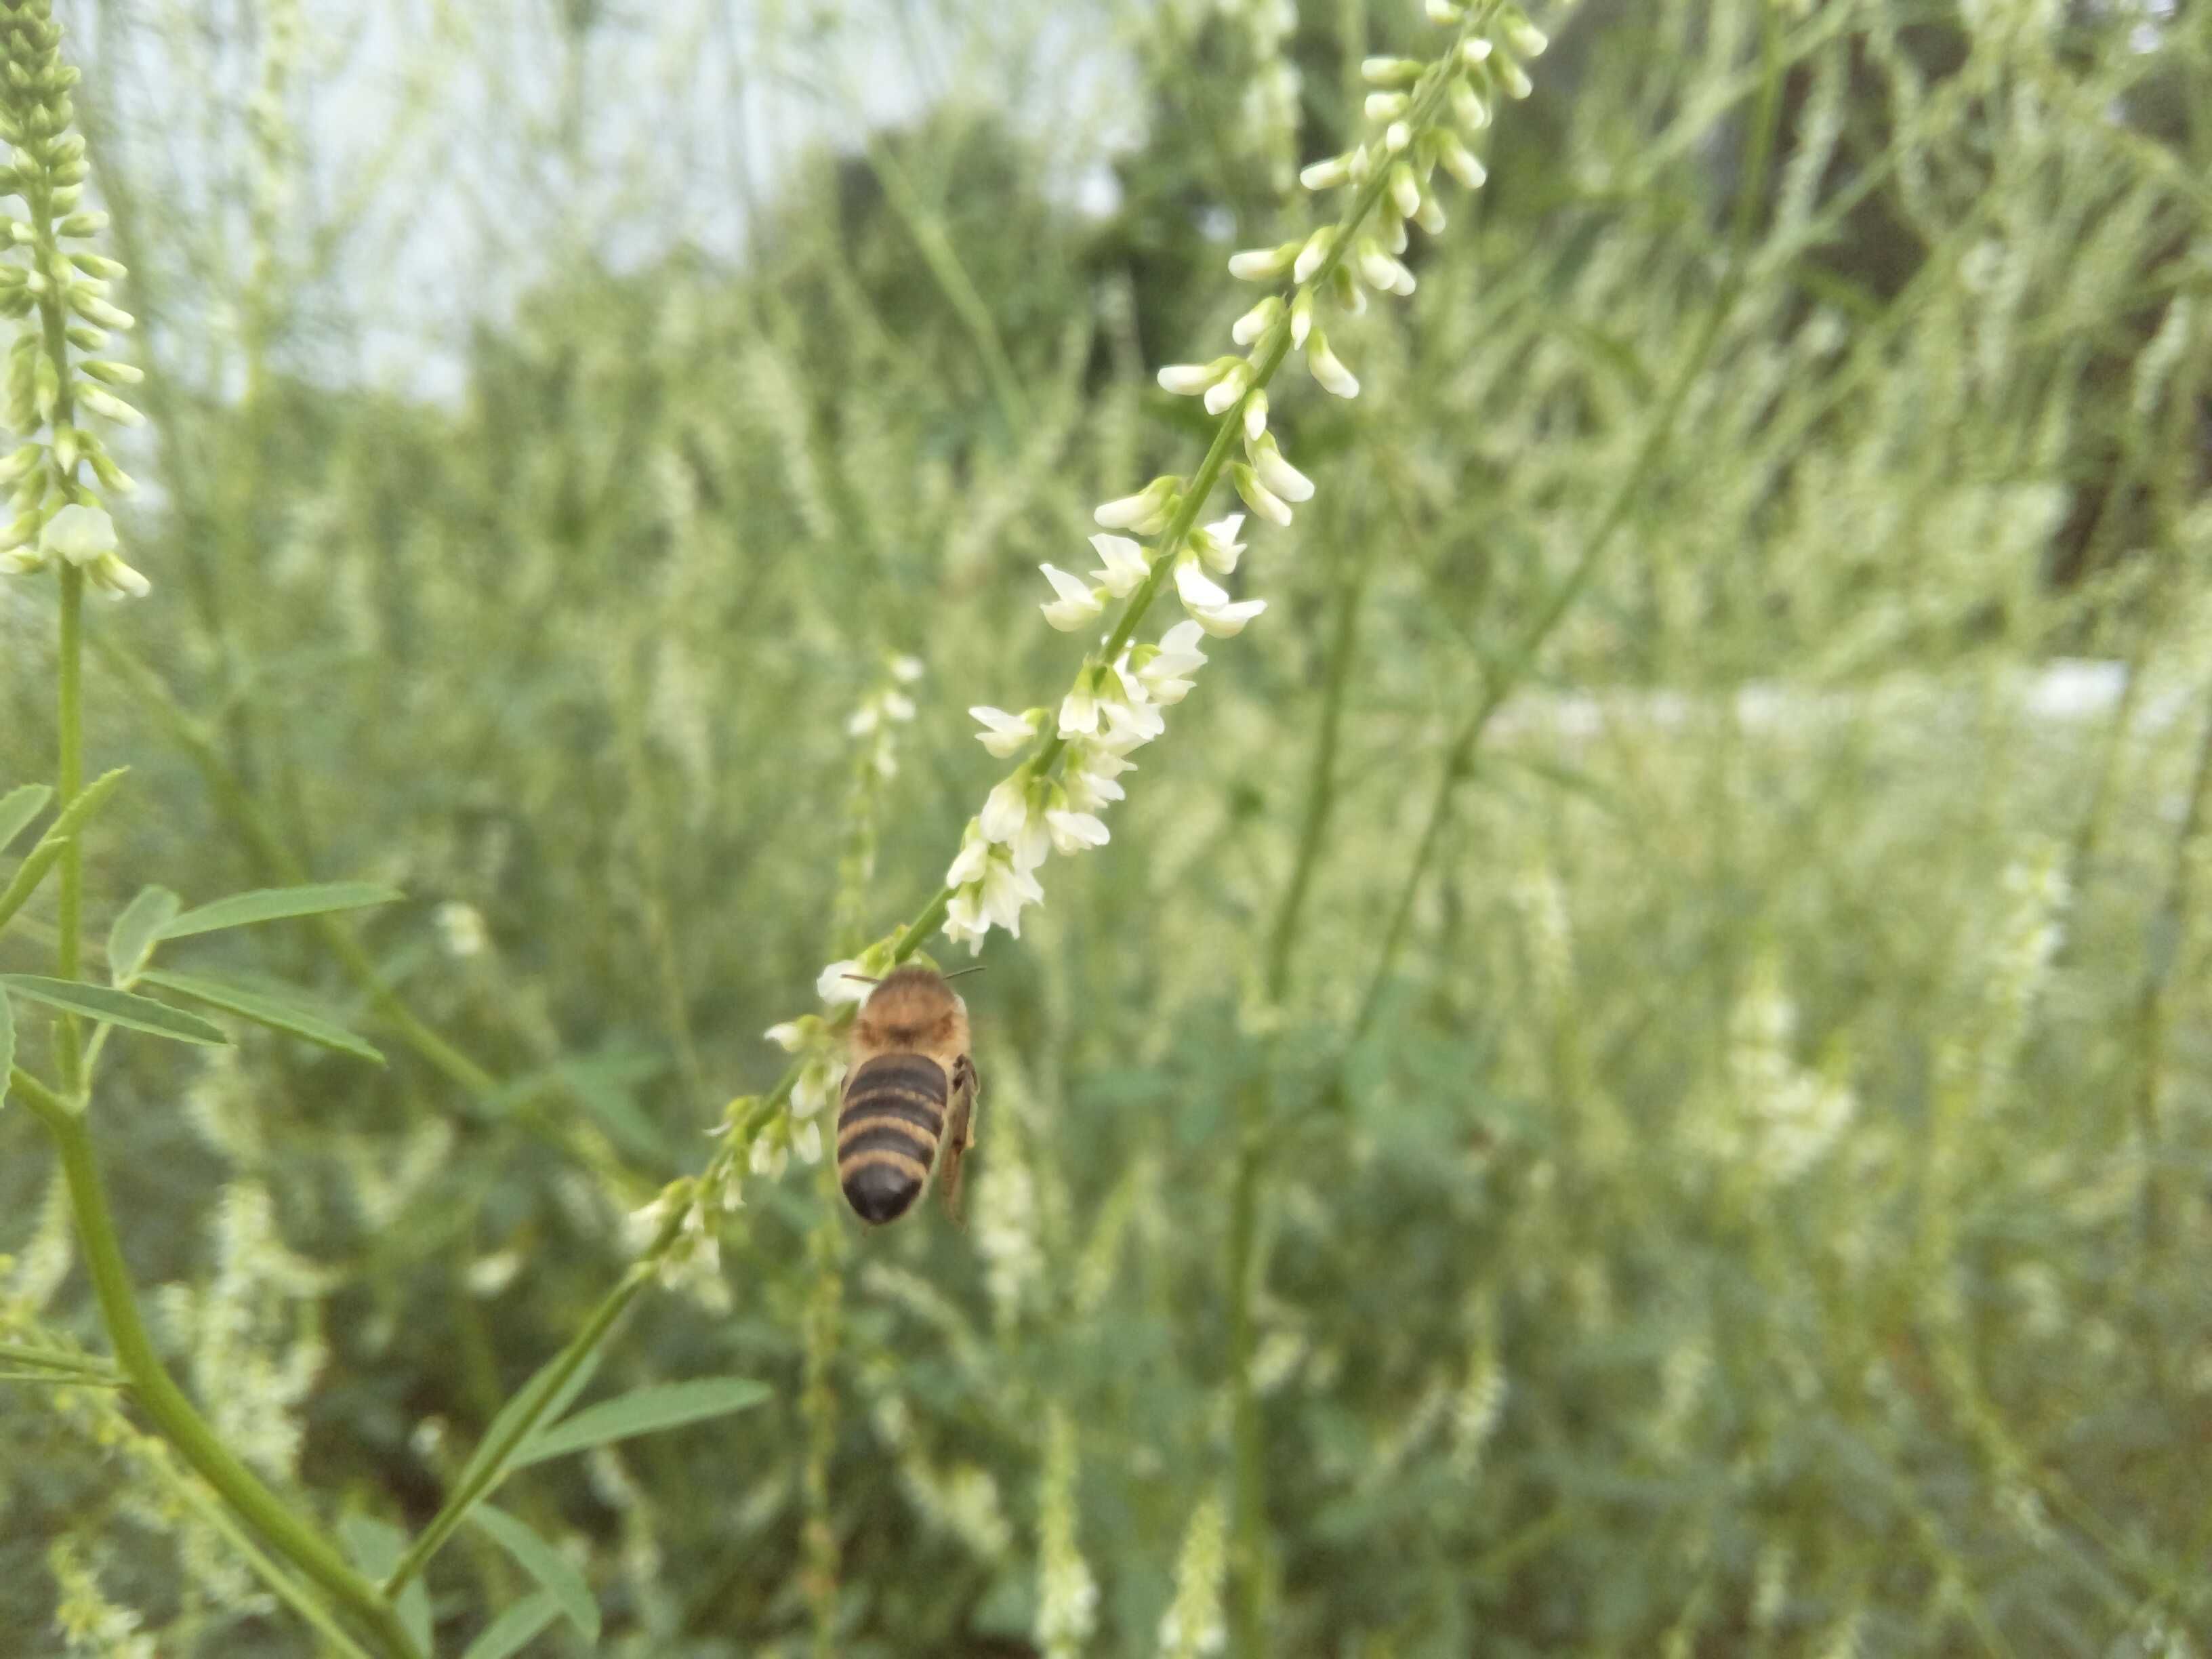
x,y
888,1131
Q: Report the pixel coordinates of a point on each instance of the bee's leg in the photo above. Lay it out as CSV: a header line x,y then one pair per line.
x,y
959,1134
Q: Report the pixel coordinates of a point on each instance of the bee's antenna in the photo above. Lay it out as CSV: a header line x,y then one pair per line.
x,y
957,972
864,979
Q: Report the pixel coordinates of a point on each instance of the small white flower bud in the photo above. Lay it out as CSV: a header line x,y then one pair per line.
x,y
1327,370
1279,476
1396,137
1524,37
1225,391
1187,379
1443,11
1257,321
1431,218
1512,77
1256,414
1257,496
1327,174
1301,318
1263,264
1382,270
1405,190
1475,52
1469,108
1315,251
788,1036
1146,514
1387,105
1460,161
112,576
1390,71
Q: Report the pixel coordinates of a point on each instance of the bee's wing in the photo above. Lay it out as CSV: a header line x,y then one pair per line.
x,y
959,1132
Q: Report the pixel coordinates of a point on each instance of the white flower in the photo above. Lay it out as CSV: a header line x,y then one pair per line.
x,y
1387,105
1300,318
1005,890
1077,603
975,856
1327,174
1125,565
1147,512
21,562
1217,546
1524,37
1390,71
1513,78
1405,190
1278,475
1071,832
1328,371
1079,711
1187,380
964,923
767,1157
807,1141
1257,496
1132,725
1225,622
1316,250
1257,321
788,1036
816,1086
862,720
898,706
83,535
907,670
1256,414
1380,270
1004,735
1006,809
1228,389
1196,589
1442,11
1263,264
1396,137
1474,52
835,984
1468,108
1090,784
1431,218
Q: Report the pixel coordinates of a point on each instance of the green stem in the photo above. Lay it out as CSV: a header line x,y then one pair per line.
x,y
174,1415
69,781
64,1364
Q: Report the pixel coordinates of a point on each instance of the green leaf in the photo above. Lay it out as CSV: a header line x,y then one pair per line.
x,y
376,1547
551,1568
644,1411
131,941
115,1007
66,824
18,807
508,1632
7,1044
276,904
521,1404
278,1013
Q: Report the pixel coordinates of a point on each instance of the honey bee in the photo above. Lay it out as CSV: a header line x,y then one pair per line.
x,y
912,1087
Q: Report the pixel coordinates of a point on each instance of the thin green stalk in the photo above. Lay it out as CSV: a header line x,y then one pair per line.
x,y
174,1415
65,1366
1500,677
69,781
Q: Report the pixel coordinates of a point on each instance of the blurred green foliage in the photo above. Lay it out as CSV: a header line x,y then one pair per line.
x,y
1760,1207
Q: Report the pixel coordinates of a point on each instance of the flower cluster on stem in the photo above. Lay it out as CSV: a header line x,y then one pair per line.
x,y
59,297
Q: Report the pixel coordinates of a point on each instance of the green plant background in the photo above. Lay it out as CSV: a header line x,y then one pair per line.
x,y
1753,1201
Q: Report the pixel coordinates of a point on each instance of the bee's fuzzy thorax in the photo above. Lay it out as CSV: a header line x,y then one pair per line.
x,y
913,1008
